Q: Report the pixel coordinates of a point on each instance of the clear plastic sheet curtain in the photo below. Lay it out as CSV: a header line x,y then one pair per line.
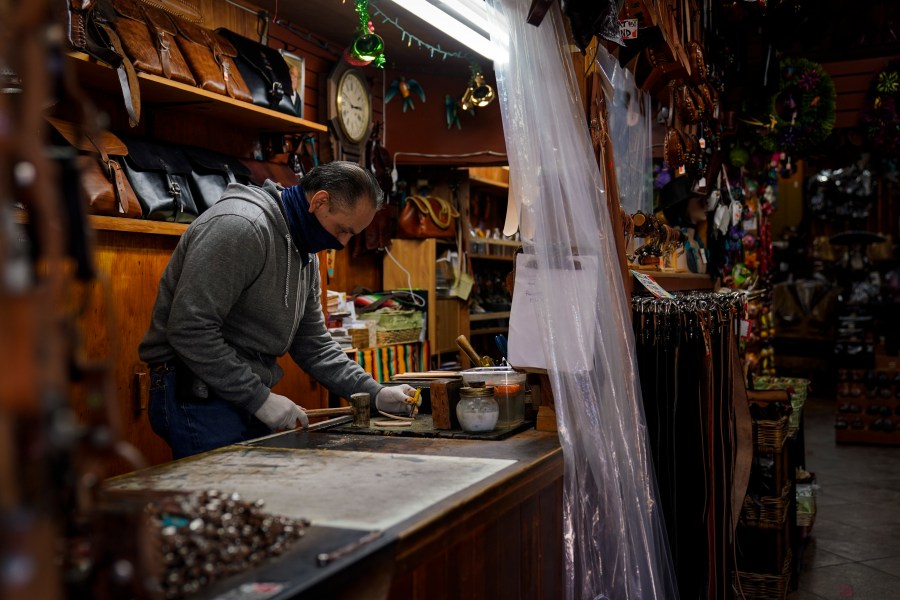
x,y
615,542
630,123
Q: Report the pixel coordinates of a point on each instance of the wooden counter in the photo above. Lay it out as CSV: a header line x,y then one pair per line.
x,y
497,535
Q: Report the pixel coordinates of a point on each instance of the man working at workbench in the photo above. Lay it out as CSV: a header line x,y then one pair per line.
x,y
241,289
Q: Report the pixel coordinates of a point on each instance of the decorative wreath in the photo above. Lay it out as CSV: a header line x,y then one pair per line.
x,y
801,113
879,118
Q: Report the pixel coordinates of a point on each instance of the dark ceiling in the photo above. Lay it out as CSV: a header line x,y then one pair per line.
x,y
336,22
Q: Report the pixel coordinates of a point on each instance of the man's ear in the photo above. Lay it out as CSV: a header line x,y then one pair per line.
x,y
317,200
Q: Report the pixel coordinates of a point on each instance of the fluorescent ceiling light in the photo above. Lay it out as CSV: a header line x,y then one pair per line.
x,y
450,25
473,11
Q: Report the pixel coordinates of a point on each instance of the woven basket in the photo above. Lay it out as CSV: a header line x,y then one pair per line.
x,y
769,436
397,336
768,512
805,519
799,391
761,586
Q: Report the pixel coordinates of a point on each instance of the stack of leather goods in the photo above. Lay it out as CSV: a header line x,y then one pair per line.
x,y
165,38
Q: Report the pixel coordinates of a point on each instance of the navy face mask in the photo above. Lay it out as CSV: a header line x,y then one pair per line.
x,y
308,234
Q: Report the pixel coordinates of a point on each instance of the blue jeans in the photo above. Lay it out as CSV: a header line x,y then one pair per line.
x,y
191,424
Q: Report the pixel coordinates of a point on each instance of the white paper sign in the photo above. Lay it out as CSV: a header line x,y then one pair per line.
x,y
651,285
575,333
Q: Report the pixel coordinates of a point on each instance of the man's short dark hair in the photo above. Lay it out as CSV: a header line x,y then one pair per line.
x,y
346,182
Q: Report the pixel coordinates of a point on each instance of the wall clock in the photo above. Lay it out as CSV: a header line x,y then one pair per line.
x,y
350,111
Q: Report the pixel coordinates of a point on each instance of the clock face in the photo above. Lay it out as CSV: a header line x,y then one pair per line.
x,y
354,110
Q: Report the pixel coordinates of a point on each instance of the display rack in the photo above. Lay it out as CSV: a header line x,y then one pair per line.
x,y
160,92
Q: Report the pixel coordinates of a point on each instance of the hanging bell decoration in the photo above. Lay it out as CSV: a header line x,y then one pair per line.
x,y
367,47
465,103
482,93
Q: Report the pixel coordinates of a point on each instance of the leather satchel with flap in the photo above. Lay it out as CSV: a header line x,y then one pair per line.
x,y
211,173
148,36
160,176
427,217
265,72
211,60
103,183
91,28
280,173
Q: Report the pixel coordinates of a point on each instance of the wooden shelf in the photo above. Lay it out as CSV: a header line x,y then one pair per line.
x,y
488,331
159,92
493,242
488,316
122,224
137,225
473,180
491,257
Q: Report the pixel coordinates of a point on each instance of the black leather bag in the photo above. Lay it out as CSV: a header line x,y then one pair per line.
x,y
211,172
160,175
264,71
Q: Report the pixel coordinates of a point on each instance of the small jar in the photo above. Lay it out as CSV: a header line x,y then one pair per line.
x,y
477,410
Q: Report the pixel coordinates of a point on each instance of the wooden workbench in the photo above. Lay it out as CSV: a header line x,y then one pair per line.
x,y
477,519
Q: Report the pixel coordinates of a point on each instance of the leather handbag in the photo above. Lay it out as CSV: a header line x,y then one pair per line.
x,y
183,9
261,170
160,176
211,172
265,72
103,183
211,59
91,28
148,36
427,217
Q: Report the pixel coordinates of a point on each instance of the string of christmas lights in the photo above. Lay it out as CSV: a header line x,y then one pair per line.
x,y
409,38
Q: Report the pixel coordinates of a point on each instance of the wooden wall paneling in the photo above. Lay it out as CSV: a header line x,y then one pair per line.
x,y
551,555
852,79
424,130
132,264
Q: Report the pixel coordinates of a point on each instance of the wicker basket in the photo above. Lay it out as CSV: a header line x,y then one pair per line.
x,y
769,436
387,337
768,512
799,388
396,326
762,586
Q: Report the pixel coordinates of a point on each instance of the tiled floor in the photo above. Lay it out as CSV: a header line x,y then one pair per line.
x,y
854,549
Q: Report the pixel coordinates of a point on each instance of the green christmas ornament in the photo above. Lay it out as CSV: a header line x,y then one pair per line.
x,y
368,46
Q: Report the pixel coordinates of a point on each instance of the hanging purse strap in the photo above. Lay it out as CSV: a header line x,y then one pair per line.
x,y
447,212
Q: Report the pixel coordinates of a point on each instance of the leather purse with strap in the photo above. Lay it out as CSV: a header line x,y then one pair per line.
x,y
103,183
91,28
211,59
160,176
427,217
211,173
148,36
265,72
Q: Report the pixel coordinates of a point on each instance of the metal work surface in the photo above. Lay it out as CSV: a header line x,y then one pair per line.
x,y
355,490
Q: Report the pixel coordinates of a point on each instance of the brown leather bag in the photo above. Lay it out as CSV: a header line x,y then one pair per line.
x,y
103,183
427,217
261,170
211,59
148,36
183,9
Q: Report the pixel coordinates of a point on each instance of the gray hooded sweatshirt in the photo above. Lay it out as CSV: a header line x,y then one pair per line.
x,y
236,296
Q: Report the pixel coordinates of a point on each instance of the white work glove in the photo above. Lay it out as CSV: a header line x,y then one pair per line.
x,y
280,413
395,399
